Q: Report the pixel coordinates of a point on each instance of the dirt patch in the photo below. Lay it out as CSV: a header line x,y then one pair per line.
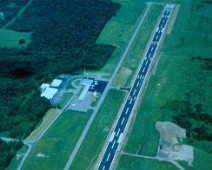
x,y
170,145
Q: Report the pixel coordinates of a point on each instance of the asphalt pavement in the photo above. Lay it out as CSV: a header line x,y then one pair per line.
x,y
87,127
117,135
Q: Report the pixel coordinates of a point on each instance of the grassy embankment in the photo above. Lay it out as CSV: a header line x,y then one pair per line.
x,y
179,77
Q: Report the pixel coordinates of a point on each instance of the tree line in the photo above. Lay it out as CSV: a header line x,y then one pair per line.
x,y
64,35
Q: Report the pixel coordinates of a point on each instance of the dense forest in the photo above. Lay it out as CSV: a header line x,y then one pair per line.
x,y
63,37
10,8
8,150
63,41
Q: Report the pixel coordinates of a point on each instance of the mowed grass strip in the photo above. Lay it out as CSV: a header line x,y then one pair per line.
x,y
135,163
118,31
95,139
46,120
128,69
54,148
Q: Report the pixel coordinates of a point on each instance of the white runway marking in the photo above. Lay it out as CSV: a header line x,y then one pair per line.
x,y
112,136
120,138
122,121
108,157
113,144
130,101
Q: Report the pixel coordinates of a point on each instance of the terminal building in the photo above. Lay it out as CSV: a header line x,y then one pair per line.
x,y
87,83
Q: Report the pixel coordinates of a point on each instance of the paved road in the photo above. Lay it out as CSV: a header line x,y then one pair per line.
x,y
117,135
82,137
31,143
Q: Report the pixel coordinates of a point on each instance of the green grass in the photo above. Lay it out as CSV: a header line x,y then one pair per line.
x,y
76,83
46,120
144,135
177,77
10,39
133,163
118,31
80,91
94,103
58,142
94,140
17,159
130,65
202,161
65,98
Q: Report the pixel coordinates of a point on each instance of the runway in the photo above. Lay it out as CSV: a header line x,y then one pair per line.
x,y
117,134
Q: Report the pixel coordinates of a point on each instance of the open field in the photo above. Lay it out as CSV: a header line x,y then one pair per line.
x,y
94,140
126,73
10,39
203,161
54,148
132,163
118,31
183,74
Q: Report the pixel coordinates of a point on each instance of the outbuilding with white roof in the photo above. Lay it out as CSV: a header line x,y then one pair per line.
x,y
49,93
56,83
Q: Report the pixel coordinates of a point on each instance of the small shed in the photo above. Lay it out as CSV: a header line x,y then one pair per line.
x,y
44,86
87,83
49,93
56,83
